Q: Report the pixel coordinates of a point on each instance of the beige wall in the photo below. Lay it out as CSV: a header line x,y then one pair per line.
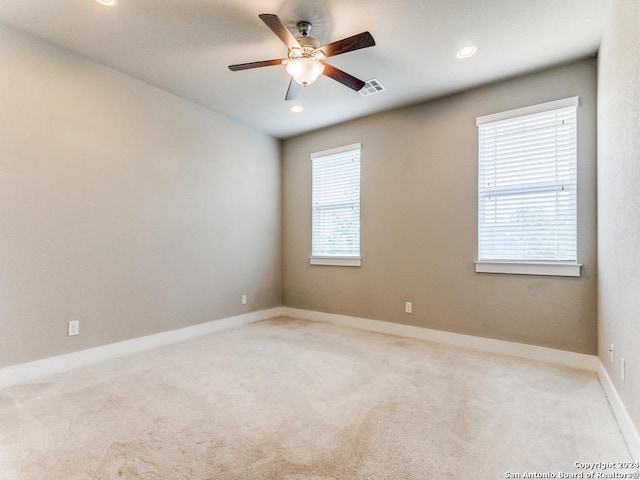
x,y
123,206
619,201
419,222
137,212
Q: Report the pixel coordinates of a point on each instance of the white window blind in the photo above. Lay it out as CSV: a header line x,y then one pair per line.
x,y
336,203
527,182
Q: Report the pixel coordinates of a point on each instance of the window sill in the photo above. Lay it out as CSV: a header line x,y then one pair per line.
x,y
554,269
336,261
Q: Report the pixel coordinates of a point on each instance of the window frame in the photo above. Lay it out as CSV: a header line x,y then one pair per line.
x,y
337,259
528,267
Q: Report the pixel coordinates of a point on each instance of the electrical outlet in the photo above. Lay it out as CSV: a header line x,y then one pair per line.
x,y
622,367
408,307
244,299
611,352
73,328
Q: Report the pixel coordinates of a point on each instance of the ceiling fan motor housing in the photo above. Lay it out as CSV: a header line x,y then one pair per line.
x,y
307,42
308,48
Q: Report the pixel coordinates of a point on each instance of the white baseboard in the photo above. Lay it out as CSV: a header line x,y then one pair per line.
x,y
625,423
30,371
559,357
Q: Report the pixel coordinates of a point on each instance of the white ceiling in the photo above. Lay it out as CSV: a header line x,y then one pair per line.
x,y
185,46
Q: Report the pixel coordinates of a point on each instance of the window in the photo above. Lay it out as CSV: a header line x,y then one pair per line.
x,y
527,182
335,227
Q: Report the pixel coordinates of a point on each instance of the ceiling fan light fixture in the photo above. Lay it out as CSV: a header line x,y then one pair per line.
x,y
296,108
108,3
304,70
466,52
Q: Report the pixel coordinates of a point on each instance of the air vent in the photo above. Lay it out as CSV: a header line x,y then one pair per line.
x,y
371,87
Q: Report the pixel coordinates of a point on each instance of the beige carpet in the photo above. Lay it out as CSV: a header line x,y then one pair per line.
x,y
296,400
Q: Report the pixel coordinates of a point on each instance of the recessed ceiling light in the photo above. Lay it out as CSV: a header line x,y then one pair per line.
x,y
296,108
108,3
466,52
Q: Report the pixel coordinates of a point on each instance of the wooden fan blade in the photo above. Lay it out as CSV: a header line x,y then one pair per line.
x,y
293,91
362,40
274,23
247,66
342,77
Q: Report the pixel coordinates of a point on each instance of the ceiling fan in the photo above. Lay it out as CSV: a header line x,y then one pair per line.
x,y
305,59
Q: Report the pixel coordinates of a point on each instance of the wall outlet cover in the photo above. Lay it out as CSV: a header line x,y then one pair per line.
x,y
611,352
73,328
